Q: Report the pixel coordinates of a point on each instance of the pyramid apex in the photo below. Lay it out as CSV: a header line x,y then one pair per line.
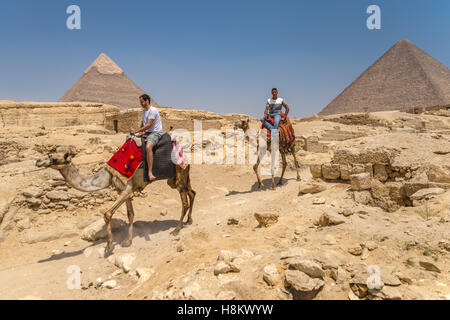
x,y
404,42
105,65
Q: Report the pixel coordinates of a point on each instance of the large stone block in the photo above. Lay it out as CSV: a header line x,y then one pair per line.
x,y
345,171
361,181
380,172
316,170
331,171
439,174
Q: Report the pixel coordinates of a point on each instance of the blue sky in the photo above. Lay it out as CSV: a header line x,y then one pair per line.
x,y
222,56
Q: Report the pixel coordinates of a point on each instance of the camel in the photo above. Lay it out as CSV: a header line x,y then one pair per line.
x,y
284,149
62,162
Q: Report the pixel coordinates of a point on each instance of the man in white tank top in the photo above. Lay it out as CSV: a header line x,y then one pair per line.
x,y
274,108
152,127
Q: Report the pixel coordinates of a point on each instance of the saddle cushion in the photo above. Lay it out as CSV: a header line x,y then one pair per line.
x,y
285,129
127,159
163,166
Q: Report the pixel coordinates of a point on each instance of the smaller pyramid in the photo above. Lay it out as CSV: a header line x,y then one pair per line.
x,y
405,77
105,82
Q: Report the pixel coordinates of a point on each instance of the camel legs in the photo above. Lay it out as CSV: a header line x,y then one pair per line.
x,y
191,194
255,167
130,212
297,167
124,196
283,157
185,207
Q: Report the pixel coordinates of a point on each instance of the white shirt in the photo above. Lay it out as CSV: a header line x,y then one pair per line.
x,y
152,114
275,106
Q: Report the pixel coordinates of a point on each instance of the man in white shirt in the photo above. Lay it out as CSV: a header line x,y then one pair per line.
x,y
152,127
274,110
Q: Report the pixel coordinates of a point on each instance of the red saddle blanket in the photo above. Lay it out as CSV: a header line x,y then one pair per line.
x,y
127,159
285,128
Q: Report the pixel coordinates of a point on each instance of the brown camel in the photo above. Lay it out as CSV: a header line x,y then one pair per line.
x,y
103,179
284,149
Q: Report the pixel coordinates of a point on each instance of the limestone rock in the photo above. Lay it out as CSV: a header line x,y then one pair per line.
x,y
33,192
439,174
331,171
302,286
362,197
319,201
225,256
125,261
380,172
309,267
237,264
429,266
58,195
329,219
356,251
144,274
266,219
365,254
371,245
311,187
316,170
295,252
110,284
271,274
221,267
45,236
390,293
97,230
426,193
345,171
339,275
360,182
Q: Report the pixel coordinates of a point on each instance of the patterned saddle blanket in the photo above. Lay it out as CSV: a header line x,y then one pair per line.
x,y
287,135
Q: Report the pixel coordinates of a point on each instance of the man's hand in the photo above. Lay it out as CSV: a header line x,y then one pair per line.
x,y
133,131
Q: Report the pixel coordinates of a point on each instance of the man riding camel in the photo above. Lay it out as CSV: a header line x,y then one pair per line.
x,y
151,126
274,110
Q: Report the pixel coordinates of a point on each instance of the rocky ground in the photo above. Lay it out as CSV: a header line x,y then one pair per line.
x,y
369,219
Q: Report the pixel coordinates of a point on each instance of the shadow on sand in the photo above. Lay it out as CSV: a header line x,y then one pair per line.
x,y
267,183
142,229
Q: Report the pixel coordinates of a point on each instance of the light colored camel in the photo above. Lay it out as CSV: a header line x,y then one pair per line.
x,y
284,149
103,179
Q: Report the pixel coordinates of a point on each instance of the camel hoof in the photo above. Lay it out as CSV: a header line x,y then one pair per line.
x,y
272,187
280,183
126,243
175,232
109,250
190,221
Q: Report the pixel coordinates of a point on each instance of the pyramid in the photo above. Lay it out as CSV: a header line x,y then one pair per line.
x,y
105,82
404,77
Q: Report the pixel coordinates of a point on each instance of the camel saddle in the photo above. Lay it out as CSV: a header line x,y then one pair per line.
x,y
285,129
132,155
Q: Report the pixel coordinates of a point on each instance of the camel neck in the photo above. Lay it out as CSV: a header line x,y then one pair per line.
x,y
98,181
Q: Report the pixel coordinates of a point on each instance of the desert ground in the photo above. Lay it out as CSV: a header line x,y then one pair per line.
x,y
374,196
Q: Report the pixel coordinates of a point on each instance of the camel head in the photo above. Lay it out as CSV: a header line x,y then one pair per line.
x,y
242,124
55,161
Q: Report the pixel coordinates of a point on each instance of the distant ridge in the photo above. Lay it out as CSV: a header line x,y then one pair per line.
x,y
404,77
105,82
